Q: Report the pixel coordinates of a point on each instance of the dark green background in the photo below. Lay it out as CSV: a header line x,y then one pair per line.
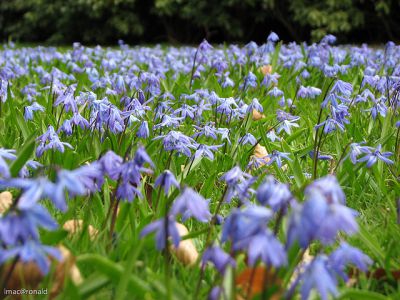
x,y
189,21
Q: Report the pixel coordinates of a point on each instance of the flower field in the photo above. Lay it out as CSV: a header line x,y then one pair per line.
x,y
211,172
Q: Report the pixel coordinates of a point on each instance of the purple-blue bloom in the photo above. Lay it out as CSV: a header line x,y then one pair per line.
x,y
166,180
220,259
191,204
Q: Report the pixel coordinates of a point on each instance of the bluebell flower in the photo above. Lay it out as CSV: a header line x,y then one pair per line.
x,y
249,81
9,155
272,136
50,140
206,151
248,138
30,109
328,39
356,150
168,121
320,156
264,246
67,99
275,194
379,107
166,180
24,223
30,91
345,255
66,127
177,141
287,125
255,105
159,227
215,293
308,92
273,37
190,203
80,121
277,157
270,79
342,87
143,131
119,84
30,164
141,157
234,176
244,223
111,164
330,125
220,259
80,181
205,46
318,275
32,189
32,251
285,116
130,176
206,130
185,111
275,92
224,133
375,155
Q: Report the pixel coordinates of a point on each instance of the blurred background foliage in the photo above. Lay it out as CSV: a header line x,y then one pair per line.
x,y
188,21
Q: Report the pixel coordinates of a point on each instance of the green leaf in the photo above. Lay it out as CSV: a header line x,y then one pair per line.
x,y
115,272
92,285
24,155
362,295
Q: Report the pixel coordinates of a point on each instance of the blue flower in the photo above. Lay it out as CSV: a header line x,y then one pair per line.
x,y
330,125
175,140
24,224
274,193
32,251
159,227
356,150
166,179
244,223
111,164
220,259
308,92
50,140
372,157
77,182
255,105
345,255
342,87
141,157
9,155
28,114
191,203
320,156
206,151
318,276
208,131
277,157
287,125
329,187
273,37
264,246
248,138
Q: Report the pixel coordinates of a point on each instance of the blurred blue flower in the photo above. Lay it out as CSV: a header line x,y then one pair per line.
x,y
166,180
159,227
220,259
375,155
191,204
